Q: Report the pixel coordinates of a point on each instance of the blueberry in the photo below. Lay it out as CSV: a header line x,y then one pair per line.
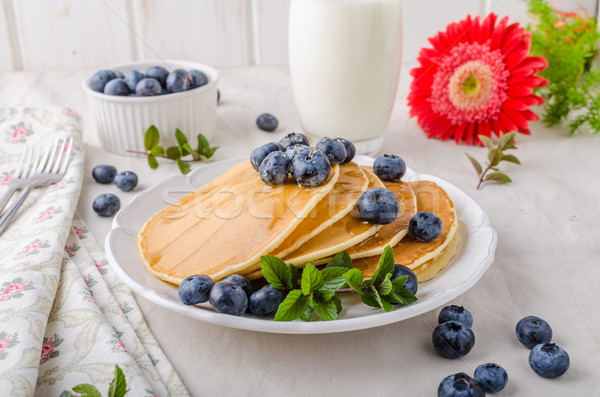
x,y
126,180
242,282
218,96
100,78
350,149
378,206
275,168
297,148
265,300
132,78
460,385
425,226
106,204
177,81
453,339
259,154
411,282
389,167
119,75
197,78
456,313
117,87
549,360
158,73
491,377
293,139
195,289
148,87
267,122
310,168
229,298
335,150
532,330
104,173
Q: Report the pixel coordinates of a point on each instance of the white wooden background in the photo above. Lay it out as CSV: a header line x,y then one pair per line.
x,y
91,34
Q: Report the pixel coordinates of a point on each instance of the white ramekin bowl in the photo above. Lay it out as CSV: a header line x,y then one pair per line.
x,y
122,121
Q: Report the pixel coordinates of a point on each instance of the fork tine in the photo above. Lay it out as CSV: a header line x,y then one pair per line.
x,y
35,158
59,157
53,150
42,163
67,157
26,163
17,173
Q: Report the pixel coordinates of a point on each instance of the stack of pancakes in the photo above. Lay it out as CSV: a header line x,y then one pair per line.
x,y
225,227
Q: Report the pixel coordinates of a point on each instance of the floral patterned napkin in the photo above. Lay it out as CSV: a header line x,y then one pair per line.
x,y
65,318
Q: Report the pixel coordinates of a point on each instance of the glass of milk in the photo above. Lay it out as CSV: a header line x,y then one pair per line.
x,y
345,62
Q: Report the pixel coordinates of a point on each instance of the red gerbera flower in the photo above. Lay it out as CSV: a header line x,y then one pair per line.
x,y
476,79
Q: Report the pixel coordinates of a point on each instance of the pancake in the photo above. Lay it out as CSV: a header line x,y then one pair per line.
x,y
337,237
225,226
389,234
412,253
351,183
429,269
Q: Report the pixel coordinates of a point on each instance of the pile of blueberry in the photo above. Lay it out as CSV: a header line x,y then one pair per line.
x,y
233,295
310,167
108,204
156,81
453,338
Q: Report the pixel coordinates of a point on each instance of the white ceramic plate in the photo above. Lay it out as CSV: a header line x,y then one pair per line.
x,y
474,256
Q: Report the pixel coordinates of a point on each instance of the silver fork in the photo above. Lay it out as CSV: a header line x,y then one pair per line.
x,y
48,169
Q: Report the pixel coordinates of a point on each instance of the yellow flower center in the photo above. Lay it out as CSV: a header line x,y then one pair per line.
x,y
470,85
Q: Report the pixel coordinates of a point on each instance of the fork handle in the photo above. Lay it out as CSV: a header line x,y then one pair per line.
x,y
12,210
6,197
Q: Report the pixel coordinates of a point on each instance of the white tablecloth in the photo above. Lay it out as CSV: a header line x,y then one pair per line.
x,y
547,264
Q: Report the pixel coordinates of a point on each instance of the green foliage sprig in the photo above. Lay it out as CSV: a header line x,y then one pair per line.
x,y
316,292
117,387
178,153
495,156
569,42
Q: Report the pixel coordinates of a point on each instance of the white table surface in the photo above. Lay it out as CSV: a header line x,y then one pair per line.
x,y
547,261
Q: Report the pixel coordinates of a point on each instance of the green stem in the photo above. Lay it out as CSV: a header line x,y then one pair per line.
x,y
161,156
481,180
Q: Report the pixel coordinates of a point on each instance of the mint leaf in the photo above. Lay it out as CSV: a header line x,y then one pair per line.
x,y
487,142
184,167
399,282
369,300
393,298
181,138
333,278
354,278
151,137
157,150
186,149
292,307
510,158
385,287
311,279
152,162
118,386
476,164
210,151
173,152
338,304
203,145
275,271
341,259
66,393
326,309
308,312
294,277
385,265
86,389
506,141
498,177
405,296
382,303
494,157
322,295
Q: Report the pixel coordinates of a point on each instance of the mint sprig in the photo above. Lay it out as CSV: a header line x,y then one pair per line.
x,y
117,387
315,291
181,153
495,156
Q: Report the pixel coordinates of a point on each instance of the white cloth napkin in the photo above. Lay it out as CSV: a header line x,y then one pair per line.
x,y
65,318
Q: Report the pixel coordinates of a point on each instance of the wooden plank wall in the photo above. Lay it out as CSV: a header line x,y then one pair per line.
x,y
90,34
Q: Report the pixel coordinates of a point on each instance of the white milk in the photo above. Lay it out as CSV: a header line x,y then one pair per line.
x,y
345,61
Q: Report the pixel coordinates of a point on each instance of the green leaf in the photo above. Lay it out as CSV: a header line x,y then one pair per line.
x,y
181,138
186,149
382,303
275,271
354,278
66,393
487,141
494,157
385,287
510,158
203,145
294,277
86,389
184,166
366,283
210,151
385,265
338,304
333,278
151,137
326,309
506,141
392,298
399,282
157,150
292,307
173,152
118,386
476,164
341,259
312,279
498,177
323,295
405,296
308,312
152,162
369,300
